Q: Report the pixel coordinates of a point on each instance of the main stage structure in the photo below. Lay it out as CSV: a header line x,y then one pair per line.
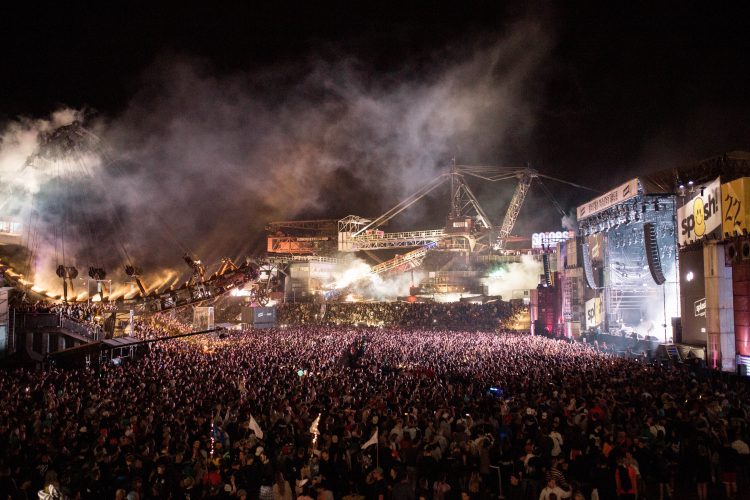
x,y
666,258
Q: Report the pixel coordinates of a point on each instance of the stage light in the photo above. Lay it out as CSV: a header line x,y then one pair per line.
x,y
689,276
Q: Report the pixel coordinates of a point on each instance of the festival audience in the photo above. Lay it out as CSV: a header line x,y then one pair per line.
x,y
395,412
452,315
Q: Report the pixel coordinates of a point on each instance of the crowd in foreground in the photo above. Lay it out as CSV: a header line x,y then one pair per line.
x,y
289,413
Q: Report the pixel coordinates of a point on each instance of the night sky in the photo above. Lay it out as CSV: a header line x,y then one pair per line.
x,y
625,81
616,88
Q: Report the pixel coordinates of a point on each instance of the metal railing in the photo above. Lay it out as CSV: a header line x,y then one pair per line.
x,y
28,321
84,330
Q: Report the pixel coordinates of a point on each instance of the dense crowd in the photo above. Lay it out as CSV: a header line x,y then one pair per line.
x,y
454,414
456,315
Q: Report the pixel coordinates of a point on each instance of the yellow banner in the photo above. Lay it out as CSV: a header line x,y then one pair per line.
x,y
593,312
735,198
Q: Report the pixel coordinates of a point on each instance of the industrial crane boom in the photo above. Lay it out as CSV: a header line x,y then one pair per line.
x,y
434,183
515,206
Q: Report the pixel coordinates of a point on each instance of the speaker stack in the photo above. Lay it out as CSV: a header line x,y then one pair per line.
x,y
547,273
588,268
257,317
652,253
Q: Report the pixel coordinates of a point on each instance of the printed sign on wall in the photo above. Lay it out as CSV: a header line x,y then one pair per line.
x,y
593,312
700,216
735,206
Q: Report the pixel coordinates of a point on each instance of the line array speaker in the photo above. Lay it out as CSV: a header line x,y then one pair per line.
x,y
547,274
588,269
652,253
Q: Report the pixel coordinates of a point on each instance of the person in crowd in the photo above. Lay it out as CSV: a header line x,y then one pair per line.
x,y
626,480
553,491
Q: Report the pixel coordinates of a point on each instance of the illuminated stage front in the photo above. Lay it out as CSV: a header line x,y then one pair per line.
x,y
629,252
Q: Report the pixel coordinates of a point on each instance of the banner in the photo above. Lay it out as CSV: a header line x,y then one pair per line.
x,y
700,216
609,199
255,427
735,206
593,312
373,440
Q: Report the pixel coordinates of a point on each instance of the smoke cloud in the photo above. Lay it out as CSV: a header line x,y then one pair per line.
x,y
507,278
569,221
199,162
357,279
19,141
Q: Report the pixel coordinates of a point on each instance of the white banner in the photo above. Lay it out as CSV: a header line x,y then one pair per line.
x,y
609,199
701,215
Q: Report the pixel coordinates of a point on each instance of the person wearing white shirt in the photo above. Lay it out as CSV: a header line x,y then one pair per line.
x,y
557,441
553,489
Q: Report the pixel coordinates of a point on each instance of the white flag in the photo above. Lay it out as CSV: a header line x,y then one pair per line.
x,y
373,440
314,427
255,427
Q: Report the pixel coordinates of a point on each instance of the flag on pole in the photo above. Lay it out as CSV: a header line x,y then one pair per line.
x,y
314,427
373,440
255,427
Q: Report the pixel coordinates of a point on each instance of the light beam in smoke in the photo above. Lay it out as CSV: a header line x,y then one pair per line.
x,y
513,276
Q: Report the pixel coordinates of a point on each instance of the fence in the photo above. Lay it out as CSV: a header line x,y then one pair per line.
x,y
35,321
